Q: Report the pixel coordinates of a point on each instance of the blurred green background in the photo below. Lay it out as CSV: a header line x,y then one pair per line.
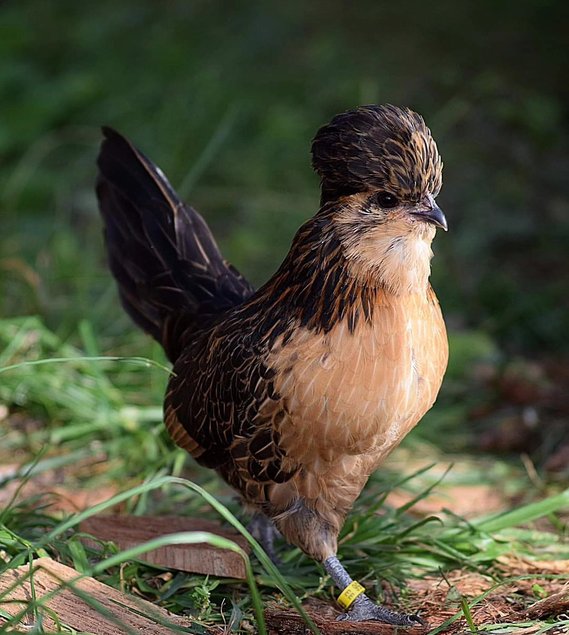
x,y
226,97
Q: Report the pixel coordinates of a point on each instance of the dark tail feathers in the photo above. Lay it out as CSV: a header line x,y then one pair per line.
x,y
170,272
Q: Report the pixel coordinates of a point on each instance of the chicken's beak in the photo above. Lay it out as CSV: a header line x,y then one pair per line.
x,y
433,214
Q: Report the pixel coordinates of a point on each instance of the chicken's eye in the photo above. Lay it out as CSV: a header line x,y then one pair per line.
x,y
385,199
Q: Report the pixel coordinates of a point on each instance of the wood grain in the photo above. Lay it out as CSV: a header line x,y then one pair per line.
x,y
119,613
130,531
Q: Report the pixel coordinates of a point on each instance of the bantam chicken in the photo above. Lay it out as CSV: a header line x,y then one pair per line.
x,y
296,392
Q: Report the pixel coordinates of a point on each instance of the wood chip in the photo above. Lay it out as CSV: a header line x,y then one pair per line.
x,y
119,613
517,565
130,531
553,605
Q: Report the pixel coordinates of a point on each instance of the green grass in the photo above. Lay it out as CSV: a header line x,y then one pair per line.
x,y
90,405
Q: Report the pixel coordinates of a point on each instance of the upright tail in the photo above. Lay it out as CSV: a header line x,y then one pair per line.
x,y
170,273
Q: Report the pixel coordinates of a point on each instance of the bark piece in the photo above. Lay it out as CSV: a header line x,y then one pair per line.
x,y
129,531
553,605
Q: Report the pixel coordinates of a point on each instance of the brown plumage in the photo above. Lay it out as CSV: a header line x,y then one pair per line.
x,y
296,392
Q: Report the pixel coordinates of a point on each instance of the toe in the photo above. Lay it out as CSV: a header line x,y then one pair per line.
x,y
365,610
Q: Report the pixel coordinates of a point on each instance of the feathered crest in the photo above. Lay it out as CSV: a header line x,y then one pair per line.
x,y
377,147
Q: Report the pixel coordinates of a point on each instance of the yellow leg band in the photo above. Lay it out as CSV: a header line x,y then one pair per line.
x,y
349,594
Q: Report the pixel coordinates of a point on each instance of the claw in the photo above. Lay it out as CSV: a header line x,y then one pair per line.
x,y
364,609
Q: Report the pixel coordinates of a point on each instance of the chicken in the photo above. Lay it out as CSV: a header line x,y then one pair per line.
x,y
295,393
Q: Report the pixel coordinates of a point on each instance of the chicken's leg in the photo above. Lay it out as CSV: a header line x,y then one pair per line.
x,y
265,532
362,608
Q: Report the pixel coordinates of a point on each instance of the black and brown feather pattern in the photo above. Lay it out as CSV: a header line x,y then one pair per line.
x,y
296,392
377,147
231,380
172,278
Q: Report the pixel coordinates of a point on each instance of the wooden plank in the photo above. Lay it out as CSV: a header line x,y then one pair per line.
x,y
120,613
129,531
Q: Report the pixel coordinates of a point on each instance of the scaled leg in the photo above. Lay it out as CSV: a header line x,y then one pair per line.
x,y
362,608
265,532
